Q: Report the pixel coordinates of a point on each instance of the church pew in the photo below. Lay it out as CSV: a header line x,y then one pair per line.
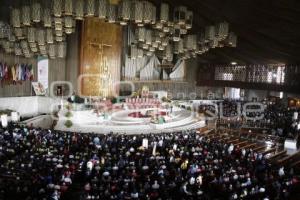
x,y
295,164
264,152
225,138
233,140
259,148
220,136
290,159
240,143
284,160
247,146
276,155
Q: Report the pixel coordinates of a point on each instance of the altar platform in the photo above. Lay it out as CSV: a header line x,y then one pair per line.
x,y
129,121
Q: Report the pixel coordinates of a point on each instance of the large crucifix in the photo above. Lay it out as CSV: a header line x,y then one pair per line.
x,y
104,75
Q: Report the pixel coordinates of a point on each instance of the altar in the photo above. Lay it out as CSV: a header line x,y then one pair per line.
x,y
128,121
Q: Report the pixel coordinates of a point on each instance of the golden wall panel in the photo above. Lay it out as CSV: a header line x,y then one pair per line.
x,y
100,63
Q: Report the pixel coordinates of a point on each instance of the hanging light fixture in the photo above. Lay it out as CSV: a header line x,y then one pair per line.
x,y
157,39
133,51
147,12
24,44
79,9
161,47
12,38
183,31
158,26
161,34
124,12
58,27
213,43
201,38
190,42
141,34
164,13
18,50
41,37
209,33
140,53
189,19
15,18
166,29
59,38
153,15
43,49
111,13
180,46
225,29
68,21
69,30
145,46
26,18
232,39
89,8
7,31
57,20
6,46
68,7
148,36
61,50
165,41
59,33
49,36
155,45
168,52
137,11
176,47
2,30
19,33
199,49
180,15
220,45
57,8
149,53
28,55
31,31
36,10
51,50
176,35
102,8
32,45
219,31
151,49
47,18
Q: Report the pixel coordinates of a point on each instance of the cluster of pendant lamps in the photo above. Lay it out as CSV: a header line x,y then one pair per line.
x,y
39,27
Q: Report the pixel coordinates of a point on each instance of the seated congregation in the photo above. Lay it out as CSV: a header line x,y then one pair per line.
x,y
47,164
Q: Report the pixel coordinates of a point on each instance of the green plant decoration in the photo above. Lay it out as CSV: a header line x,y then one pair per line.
x,y
68,123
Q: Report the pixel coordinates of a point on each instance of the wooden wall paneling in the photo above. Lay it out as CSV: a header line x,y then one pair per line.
x,y
109,36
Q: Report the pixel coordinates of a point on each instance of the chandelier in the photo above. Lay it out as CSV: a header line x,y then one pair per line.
x,y
162,30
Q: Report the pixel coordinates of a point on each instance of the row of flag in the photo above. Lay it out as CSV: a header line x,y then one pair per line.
x,y
16,74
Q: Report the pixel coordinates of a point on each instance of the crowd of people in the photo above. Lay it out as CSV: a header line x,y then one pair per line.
x,y
275,117
52,165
